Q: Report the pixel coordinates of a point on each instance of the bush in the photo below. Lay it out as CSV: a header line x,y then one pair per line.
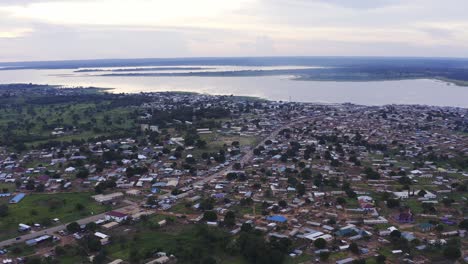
x,y
73,227
210,216
320,243
3,210
452,252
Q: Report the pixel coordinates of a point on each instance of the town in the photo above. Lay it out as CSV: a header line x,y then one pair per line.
x,y
92,177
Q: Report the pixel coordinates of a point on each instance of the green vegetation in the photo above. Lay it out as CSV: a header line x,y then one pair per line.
x,y
42,208
33,124
190,244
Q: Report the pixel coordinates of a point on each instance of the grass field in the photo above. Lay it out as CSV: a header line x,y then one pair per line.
x,y
172,239
41,208
7,186
33,124
216,141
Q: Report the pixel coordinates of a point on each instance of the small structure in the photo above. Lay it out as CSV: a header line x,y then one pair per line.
x,y
116,216
24,228
101,198
405,216
17,198
35,241
345,261
426,227
277,218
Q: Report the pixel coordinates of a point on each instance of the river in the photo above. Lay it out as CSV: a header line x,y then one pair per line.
x,y
420,91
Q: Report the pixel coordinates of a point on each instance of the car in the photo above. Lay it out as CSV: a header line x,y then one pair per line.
x,y
18,238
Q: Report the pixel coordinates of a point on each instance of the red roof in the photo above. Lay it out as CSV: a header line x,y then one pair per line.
x,y
116,214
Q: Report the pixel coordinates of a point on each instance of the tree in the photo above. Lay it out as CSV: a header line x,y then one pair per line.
x,y
300,188
60,251
447,202
246,227
324,255
371,174
3,210
452,252
393,203
395,234
421,193
210,216
207,204
282,203
209,260
79,207
92,226
92,243
439,228
82,173
236,166
40,187
30,185
230,219
73,227
320,243
380,259
100,257
351,194
340,200
463,224
354,248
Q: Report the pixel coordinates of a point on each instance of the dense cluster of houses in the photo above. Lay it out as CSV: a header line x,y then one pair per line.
x,y
345,174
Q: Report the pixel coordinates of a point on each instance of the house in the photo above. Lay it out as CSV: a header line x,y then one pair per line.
x,y
345,261
401,195
24,228
277,218
103,238
117,261
17,198
35,241
405,216
116,216
426,227
101,198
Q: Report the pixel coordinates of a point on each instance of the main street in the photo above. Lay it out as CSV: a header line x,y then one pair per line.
x,y
245,159
51,230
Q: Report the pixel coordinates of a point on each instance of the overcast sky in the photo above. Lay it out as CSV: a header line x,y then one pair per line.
x,y
89,29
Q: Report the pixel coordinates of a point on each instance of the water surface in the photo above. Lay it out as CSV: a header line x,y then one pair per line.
x,y
422,91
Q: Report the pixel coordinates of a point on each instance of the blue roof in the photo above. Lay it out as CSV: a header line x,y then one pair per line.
x,y
17,198
277,218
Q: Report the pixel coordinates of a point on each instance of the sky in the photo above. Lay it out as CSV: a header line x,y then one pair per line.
x,y
94,29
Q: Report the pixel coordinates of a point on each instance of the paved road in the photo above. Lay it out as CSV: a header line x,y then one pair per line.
x,y
49,231
245,159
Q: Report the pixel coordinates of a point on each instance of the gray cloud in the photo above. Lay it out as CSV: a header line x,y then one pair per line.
x,y
55,42
270,27
358,4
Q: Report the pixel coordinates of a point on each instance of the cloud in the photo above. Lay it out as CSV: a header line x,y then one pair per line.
x,y
260,46
68,29
56,42
361,3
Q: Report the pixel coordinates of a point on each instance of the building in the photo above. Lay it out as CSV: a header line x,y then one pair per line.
x,y
24,228
17,198
116,216
405,216
277,218
101,198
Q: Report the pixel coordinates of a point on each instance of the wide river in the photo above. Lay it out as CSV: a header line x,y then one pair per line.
x,y
427,92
